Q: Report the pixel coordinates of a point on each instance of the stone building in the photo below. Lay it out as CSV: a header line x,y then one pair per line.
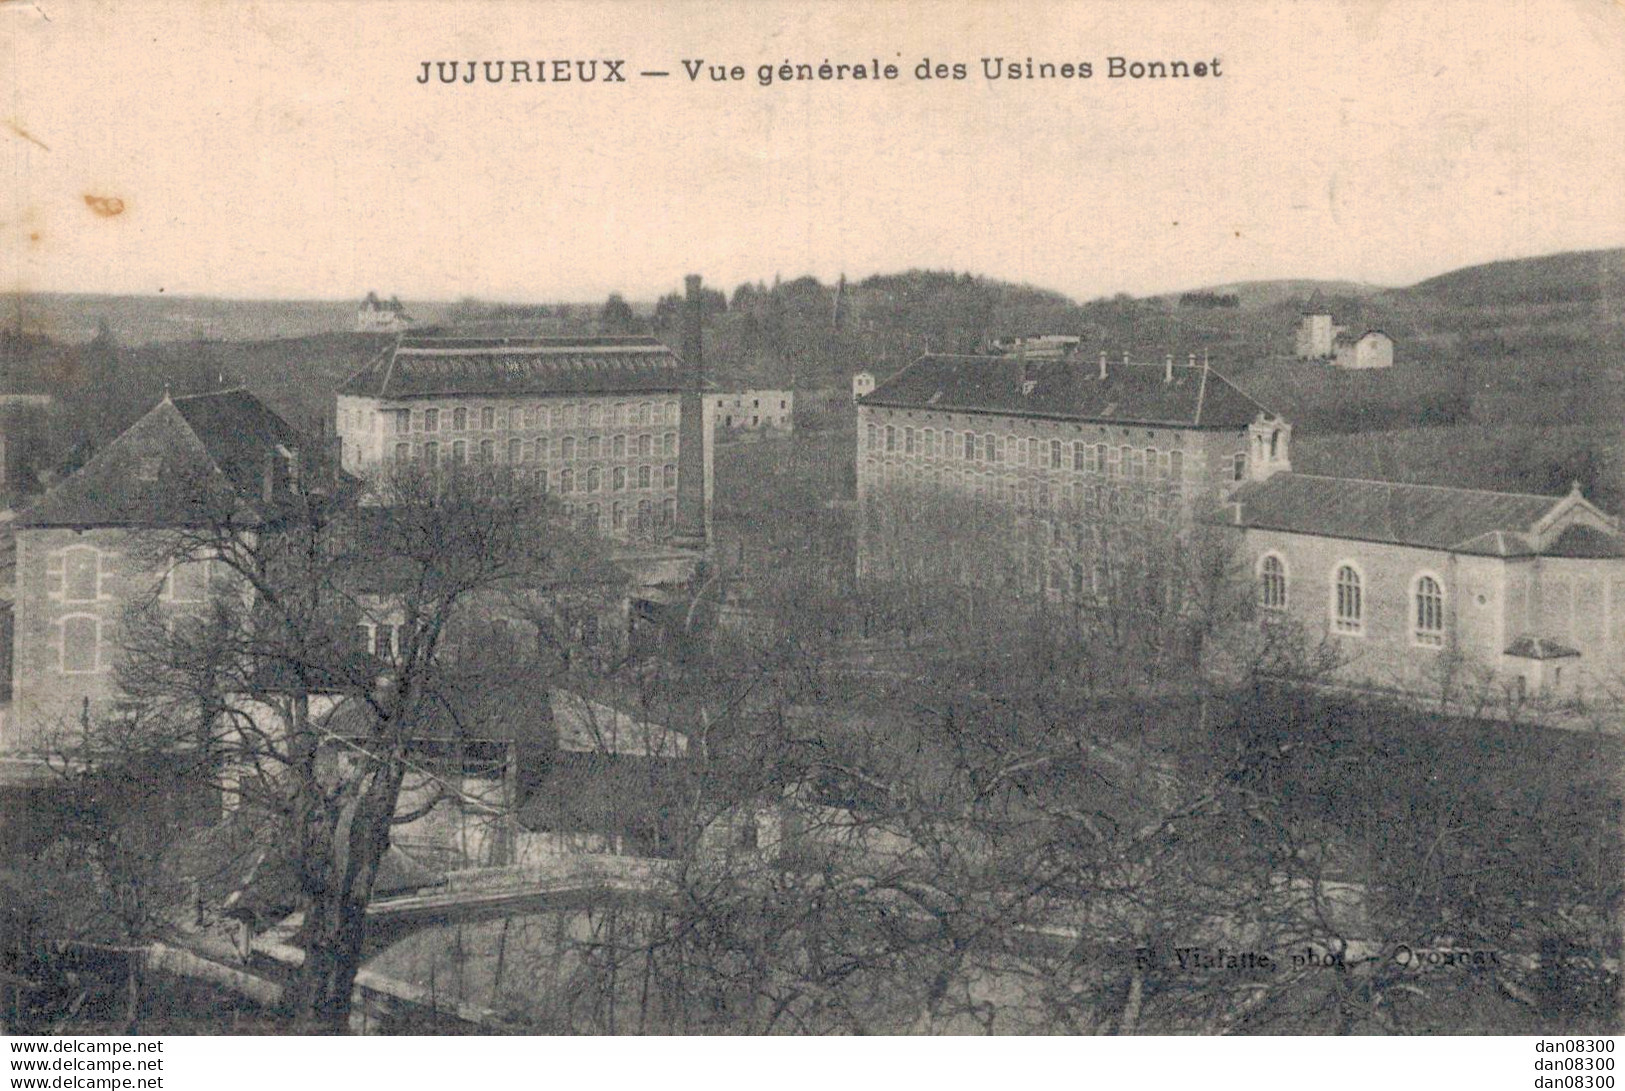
x,y
377,316
1317,334
1320,338
1415,584
754,410
1154,441
1372,349
83,549
614,426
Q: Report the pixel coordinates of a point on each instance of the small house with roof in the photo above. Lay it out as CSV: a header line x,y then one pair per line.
x,y
1321,338
1372,349
1415,585
379,316
81,548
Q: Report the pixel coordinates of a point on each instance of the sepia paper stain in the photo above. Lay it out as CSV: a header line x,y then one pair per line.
x,y
25,3
26,135
104,206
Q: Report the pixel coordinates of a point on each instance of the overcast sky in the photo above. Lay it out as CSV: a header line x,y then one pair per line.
x,y
287,150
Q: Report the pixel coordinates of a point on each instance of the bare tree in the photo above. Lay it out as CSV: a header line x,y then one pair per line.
x,y
328,602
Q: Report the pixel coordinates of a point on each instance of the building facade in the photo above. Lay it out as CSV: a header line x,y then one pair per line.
x,y
89,549
378,316
1418,586
598,422
1372,349
754,410
1057,440
1317,336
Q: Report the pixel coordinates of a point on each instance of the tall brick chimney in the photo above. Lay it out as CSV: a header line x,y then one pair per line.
x,y
691,438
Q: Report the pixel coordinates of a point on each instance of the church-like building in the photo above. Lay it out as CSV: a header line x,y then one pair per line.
x,y
1424,587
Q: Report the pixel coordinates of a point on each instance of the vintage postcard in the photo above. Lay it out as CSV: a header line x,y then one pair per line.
x,y
812,519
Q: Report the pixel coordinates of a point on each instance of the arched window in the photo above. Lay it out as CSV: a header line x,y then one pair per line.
x,y
1240,467
668,443
669,477
567,481
1348,607
567,447
594,479
1272,582
1429,628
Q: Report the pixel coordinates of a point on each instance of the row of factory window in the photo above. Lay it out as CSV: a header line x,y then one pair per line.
x,y
1052,577
1157,501
1347,604
1113,460
541,449
621,516
488,418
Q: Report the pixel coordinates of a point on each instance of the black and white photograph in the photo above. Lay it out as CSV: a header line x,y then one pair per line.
x,y
837,519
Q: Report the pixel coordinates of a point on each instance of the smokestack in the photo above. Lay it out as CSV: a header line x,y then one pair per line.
x,y
1192,360
1102,363
1168,369
692,441
693,339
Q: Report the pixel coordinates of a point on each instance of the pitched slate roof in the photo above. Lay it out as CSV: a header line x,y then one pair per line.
x,y
1496,524
421,366
188,461
1071,389
1584,541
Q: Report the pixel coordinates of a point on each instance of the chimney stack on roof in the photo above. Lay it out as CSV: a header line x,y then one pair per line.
x,y
1192,360
1102,363
1168,369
